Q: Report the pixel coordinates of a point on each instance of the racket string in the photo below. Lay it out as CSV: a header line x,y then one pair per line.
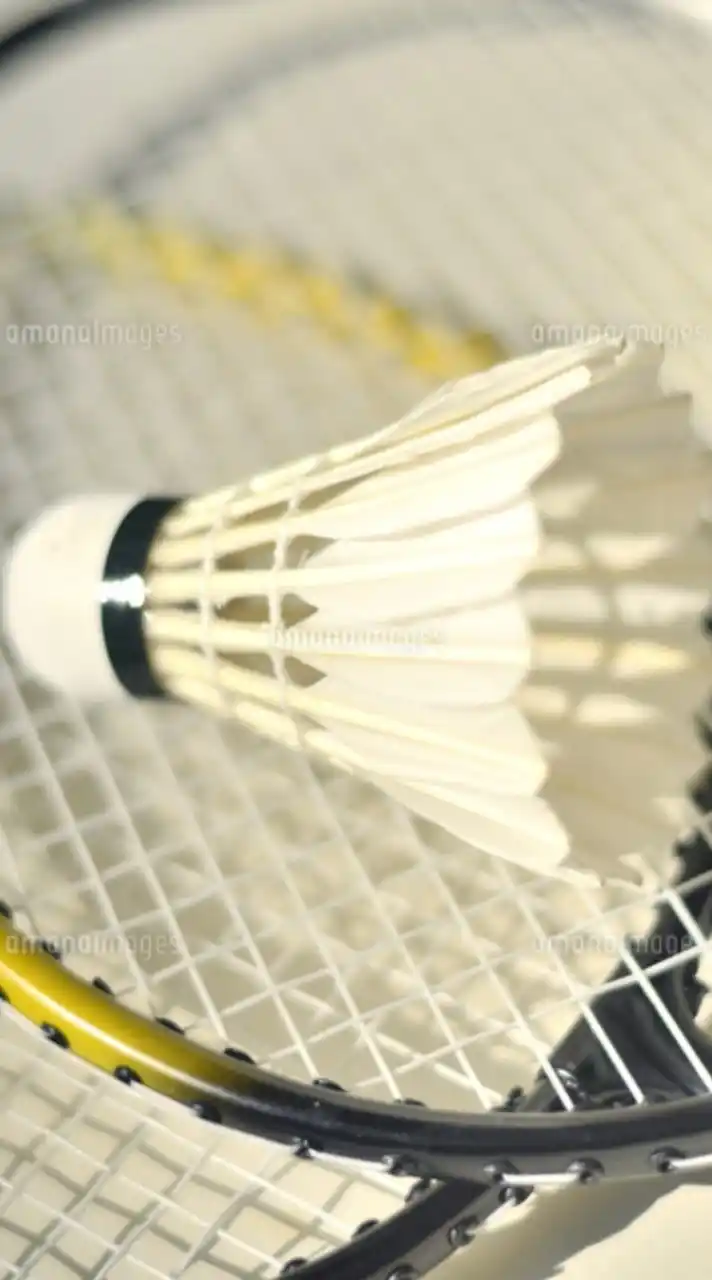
x,y
394,1038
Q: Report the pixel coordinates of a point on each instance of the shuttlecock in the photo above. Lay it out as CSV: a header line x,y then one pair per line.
x,y
619,662
363,605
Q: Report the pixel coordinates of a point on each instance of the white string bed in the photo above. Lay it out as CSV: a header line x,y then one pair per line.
x,y
534,168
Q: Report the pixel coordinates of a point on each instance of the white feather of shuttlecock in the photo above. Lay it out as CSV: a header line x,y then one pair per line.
x,y
363,604
619,662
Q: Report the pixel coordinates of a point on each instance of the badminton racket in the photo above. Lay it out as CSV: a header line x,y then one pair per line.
x,y
125,826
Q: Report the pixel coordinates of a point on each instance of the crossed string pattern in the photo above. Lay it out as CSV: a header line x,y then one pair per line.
x,y
95,798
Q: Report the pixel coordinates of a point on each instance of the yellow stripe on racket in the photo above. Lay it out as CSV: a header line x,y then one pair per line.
x,y
277,288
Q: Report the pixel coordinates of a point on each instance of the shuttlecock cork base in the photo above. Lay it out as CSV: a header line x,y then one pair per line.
x,y
363,605
80,628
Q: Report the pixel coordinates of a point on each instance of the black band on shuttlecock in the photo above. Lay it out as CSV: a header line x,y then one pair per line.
x,y
123,595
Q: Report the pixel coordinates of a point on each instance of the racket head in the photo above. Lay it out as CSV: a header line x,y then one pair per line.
x,y
359,870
